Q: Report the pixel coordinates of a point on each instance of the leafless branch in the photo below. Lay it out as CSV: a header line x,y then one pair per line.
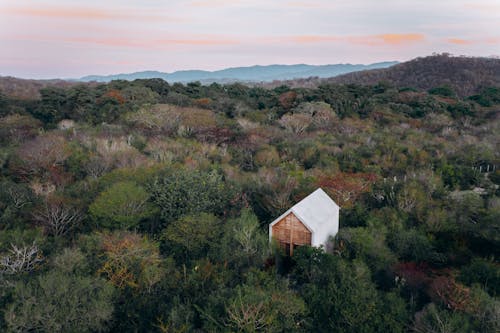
x,y
58,217
20,259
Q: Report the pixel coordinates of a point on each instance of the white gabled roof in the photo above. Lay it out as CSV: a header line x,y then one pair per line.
x,y
319,213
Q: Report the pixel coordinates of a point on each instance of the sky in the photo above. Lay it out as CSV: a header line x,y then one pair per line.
x,y
73,38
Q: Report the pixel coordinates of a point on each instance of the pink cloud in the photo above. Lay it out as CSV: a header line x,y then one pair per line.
x,y
459,41
387,39
370,40
85,13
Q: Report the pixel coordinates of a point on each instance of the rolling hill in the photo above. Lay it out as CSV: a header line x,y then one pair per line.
x,y
465,75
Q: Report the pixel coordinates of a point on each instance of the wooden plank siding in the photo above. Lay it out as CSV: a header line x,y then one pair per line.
x,y
289,232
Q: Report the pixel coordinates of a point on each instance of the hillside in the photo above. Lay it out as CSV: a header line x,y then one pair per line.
x,y
242,74
465,75
28,89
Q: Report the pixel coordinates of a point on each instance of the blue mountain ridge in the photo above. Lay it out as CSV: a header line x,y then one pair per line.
x,y
255,73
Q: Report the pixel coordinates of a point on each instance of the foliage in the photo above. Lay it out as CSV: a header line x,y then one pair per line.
x,y
462,73
123,205
193,235
367,244
144,206
410,245
244,243
484,273
264,306
445,91
433,319
189,192
130,260
345,188
84,303
340,296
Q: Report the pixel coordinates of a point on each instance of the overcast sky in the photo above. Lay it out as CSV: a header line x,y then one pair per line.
x,y
72,38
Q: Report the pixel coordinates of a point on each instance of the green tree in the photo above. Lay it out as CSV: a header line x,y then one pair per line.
x,y
61,300
264,302
483,272
367,244
268,308
413,245
244,241
122,206
192,236
53,106
489,96
444,90
340,295
188,192
433,319
139,95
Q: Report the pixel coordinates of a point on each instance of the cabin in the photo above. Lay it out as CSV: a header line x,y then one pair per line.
x,y
312,221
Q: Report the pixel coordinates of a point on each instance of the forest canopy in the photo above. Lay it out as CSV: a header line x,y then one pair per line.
x,y
144,206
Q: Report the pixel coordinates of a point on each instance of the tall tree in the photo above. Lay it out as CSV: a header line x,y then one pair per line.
x,y
61,300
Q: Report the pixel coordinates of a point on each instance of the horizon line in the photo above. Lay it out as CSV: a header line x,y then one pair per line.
x,y
202,70
76,78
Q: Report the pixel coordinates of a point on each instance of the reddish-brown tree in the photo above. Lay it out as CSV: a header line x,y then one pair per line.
x,y
345,187
287,99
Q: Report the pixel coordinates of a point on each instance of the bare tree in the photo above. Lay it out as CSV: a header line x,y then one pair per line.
x,y
42,188
243,315
296,123
280,191
97,165
19,198
20,259
44,152
160,119
19,195
57,216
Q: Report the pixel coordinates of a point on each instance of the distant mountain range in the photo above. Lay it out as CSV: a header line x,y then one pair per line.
x,y
243,74
465,75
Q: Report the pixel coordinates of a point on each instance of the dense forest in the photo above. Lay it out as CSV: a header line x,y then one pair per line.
x,y
143,206
463,74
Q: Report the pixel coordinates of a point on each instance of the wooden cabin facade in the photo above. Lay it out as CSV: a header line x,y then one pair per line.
x,y
289,232
312,221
